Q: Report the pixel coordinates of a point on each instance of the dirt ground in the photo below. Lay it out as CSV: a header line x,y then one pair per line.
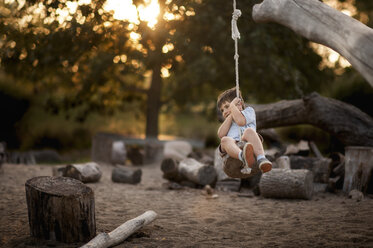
x,y
186,218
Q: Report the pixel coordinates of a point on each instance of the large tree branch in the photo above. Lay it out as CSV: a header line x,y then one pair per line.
x,y
320,23
344,121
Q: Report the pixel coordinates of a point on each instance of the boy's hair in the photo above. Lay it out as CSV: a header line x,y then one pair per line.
x,y
227,96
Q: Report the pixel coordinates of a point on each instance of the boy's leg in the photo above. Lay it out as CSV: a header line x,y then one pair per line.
x,y
251,136
229,146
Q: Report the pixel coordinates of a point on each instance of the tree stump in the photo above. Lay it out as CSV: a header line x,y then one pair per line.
x,y
60,209
284,183
358,168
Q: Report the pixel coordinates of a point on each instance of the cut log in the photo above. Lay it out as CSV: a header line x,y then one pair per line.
x,y
122,232
197,172
283,183
60,209
87,173
283,162
177,150
126,175
321,23
170,169
319,167
347,123
358,168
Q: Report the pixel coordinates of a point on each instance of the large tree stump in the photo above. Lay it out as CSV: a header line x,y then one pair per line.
x,y
197,172
60,209
358,168
284,183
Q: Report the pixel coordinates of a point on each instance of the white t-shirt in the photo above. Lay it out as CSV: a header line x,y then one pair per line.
x,y
235,131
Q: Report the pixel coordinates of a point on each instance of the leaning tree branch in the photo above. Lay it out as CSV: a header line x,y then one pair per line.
x,y
344,121
322,24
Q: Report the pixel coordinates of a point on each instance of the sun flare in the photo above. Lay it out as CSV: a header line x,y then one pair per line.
x,y
126,10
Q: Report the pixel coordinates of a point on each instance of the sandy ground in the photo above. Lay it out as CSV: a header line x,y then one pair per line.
x,y
186,218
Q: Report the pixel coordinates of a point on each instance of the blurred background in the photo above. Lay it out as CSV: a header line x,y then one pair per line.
x,y
154,68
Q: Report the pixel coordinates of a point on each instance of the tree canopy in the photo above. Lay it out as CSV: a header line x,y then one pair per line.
x,y
79,54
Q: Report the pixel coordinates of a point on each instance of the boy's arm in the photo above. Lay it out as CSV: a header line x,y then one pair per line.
x,y
224,127
238,117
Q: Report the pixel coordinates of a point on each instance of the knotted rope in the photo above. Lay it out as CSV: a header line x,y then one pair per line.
x,y
235,36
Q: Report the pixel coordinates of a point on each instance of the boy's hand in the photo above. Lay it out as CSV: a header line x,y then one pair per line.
x,y
236,101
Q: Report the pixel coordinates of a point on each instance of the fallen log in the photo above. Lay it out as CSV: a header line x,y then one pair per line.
x,y
284,183
283,162
321,23
170,169
122,232
60,209
126,175
87,173
347,123
358,168
197,172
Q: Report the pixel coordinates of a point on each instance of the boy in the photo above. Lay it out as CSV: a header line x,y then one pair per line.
x,y
240,124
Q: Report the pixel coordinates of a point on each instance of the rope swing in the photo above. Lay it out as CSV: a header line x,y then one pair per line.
x,y
236,35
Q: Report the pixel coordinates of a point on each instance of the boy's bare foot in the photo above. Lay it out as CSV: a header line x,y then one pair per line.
x,y
264,165
248,157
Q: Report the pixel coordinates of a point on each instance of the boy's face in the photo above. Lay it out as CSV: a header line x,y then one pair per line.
x,y
224,108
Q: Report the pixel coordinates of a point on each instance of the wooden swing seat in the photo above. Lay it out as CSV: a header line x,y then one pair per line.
x,y
232,167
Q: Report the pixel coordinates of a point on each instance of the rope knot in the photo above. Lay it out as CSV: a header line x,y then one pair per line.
x,y
236,14
235,32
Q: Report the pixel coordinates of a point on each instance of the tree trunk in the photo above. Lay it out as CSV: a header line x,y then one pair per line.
x,y
154,103
320,23
60,209
358,168
344,121
197,172
284,183
122,232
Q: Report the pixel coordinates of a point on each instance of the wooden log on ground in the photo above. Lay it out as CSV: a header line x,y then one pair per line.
x,y
170,169
136,155
301,148
283,183
126,175
122,232
118,152
87,173
319,167
358,168
321,23
347,123
60,209
197,172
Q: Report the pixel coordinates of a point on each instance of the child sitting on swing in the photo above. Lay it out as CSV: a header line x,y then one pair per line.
x,y
240,124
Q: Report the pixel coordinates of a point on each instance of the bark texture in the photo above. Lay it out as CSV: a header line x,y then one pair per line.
x,y
358,168
344,121
322,24
60,209
284,183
